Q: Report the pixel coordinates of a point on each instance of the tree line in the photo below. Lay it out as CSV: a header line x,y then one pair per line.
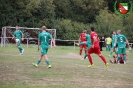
x,y
69,17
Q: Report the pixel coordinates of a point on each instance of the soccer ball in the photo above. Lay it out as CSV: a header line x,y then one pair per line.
x,y
17,40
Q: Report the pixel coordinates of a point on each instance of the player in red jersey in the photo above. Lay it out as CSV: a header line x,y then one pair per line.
x,y
95,48
82,38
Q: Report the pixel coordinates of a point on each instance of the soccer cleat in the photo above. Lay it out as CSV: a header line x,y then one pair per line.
x,y
111,61
107,65
90,65
22,51
34,64
49,66
109,55
77,44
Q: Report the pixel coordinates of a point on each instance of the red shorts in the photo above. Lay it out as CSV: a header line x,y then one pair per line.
x,y
95,50
83,46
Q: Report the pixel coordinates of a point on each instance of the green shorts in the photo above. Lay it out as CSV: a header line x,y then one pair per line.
x,y
121,51
44,50
18,44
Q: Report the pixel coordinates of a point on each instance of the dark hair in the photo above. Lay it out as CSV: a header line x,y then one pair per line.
x,y
92,28
85,29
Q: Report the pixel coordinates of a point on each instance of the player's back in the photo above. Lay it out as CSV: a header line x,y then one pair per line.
x,y
121,40
94,35
44,38
83,37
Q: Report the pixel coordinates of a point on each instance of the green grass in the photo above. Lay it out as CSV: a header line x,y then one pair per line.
x,y
68,71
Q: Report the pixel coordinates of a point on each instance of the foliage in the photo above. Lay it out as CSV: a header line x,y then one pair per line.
x,y
69,17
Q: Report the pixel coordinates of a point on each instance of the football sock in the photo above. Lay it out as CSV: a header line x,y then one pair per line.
x,y
20,49
85,56
90,59
103,58
111,53
80,52
38,62
124,57
118,58
47,62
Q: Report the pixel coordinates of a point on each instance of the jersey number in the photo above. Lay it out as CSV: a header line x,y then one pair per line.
x,y
121,39
45,38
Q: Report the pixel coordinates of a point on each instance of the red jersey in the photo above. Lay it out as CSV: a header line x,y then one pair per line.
x,y
82,37
92,35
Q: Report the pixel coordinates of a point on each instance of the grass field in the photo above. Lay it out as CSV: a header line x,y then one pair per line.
x,y
68,71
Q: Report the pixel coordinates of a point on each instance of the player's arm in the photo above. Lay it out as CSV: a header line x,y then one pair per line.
x,y
38,45
13,36
39,42
127,43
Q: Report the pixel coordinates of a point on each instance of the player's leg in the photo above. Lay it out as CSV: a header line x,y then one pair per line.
x,y
90,51
80,51
124,55
119,53
40,58
98,52
85,49
46,58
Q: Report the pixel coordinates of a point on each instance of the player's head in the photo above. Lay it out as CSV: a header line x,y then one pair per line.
x,y
17,27
85,30
118,31
114,32
92,28
44,28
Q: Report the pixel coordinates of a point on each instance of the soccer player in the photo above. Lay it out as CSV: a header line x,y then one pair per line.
x,y
88,44
108,41
82,38
19,37
95,48
113,41
121,39
43,43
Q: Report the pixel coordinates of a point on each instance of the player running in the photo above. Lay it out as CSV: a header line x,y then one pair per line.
x,y
95,48
82,38
113,41
43,43
19,37
121,39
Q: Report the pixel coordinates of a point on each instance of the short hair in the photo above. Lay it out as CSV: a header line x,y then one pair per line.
x,y
85,28
44,28
92,28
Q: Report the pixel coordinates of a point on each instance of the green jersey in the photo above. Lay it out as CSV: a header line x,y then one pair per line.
x,y
121,41
88,43
18,34
43,38
113,38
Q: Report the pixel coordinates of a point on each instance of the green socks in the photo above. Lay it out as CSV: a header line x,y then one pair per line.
x,y
47,62
38,62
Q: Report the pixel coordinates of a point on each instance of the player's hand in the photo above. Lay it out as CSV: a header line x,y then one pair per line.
x,y
54,46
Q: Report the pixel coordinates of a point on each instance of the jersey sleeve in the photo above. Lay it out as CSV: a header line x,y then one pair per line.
x,y
21,33
39,37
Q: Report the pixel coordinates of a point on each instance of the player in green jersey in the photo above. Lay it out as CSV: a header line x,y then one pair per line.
x,y
43,44
121,39
113,41
19,37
